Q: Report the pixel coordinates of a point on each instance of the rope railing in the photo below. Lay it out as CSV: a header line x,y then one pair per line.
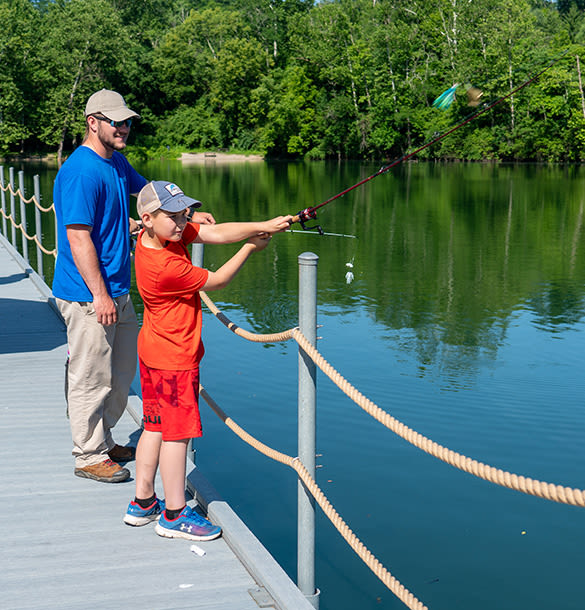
x,y
34,237
527,485
401,592
17,193
9,217
549,491
245,334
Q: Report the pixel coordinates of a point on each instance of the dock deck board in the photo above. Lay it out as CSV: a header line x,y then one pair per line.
x,y
64,544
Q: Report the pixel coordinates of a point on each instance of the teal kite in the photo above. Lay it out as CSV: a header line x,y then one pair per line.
x,y
446,99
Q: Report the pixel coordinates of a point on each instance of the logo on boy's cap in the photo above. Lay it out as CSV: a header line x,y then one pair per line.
x,y
173,189
163,195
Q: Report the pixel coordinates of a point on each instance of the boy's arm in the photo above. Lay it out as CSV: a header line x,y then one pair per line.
x,y
226,273
230,232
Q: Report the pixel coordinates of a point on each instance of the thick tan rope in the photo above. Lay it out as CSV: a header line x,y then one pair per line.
x,y
52,253
18,193
29,237
8,217
274,338
403,594
549,491
557,493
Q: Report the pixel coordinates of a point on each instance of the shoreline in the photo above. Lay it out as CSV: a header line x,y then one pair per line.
x,y
218,158
185,158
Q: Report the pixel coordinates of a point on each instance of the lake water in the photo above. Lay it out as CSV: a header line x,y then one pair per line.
x,y
464,320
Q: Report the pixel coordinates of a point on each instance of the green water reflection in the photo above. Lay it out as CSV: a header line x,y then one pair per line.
x,y
448,251
455,248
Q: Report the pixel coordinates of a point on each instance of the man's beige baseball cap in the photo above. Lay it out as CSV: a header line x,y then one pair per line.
x,y
111,105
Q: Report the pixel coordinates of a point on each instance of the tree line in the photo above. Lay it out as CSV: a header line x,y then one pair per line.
x,y
297,78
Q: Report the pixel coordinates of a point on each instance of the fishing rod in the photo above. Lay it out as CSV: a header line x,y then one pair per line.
x,y
322,233
310,213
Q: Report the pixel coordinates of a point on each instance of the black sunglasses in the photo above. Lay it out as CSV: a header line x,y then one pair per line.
x,y
126,122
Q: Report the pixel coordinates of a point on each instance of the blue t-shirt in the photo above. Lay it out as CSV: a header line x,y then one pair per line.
x,y
90,190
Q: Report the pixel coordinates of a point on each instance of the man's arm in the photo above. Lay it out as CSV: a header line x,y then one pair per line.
x,y
86,261
230,232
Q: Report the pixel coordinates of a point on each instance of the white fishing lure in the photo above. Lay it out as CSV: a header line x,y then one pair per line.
x,y
349,275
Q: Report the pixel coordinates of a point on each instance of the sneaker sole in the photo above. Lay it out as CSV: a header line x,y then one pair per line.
x,y
167,533
137,521
117,478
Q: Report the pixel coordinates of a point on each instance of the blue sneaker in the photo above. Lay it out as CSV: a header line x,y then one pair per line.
x,y
189,524
136,515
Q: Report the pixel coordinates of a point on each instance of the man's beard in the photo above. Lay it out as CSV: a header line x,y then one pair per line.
x,y
108,139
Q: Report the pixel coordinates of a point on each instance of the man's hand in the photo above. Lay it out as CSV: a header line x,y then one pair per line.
x,y
135,226
105,309
202,218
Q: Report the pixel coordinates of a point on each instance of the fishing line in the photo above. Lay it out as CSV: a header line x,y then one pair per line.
x,y
310,213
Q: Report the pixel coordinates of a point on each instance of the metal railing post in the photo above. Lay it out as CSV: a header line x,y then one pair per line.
x,y
3,199
306,426
197,255
12,213
197,260
23,227
38,225
55,221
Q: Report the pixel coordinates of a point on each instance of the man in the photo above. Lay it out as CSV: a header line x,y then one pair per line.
x,y
92,284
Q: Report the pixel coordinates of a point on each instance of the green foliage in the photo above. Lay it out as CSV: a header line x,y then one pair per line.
x,y
186,59
296,78
17,42
238,71
191,128
290,113
81,49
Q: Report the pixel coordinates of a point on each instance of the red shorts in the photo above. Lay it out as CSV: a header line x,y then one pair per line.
x,y
170,402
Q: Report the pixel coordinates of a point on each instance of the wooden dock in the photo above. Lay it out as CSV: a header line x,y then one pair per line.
x,y
64,544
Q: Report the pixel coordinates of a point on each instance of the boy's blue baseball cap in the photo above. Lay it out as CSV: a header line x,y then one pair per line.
x,y
162,195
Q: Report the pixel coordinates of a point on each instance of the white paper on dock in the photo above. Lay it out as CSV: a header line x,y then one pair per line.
x,y
197,550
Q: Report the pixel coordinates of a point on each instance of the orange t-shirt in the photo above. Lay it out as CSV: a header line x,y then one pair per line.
x,y
169,284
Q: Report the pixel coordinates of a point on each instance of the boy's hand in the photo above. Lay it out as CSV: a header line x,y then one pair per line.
x,y
260,241
277,224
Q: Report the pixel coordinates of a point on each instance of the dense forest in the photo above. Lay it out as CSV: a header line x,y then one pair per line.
x,y
298,78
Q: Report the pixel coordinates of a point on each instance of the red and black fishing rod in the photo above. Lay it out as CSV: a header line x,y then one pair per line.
x,y
310,213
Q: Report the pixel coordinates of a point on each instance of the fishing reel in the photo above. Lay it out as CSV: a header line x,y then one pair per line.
x,y
308,214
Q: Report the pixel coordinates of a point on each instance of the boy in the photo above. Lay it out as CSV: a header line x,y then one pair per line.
x,y
170,347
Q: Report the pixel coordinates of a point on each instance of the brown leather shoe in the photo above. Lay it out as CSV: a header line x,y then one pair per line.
x,y
106,472
122,454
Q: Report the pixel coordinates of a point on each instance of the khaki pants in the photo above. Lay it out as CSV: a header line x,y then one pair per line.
x,y
102,365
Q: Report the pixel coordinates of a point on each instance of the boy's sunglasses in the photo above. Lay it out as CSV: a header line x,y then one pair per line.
x,y
126,122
